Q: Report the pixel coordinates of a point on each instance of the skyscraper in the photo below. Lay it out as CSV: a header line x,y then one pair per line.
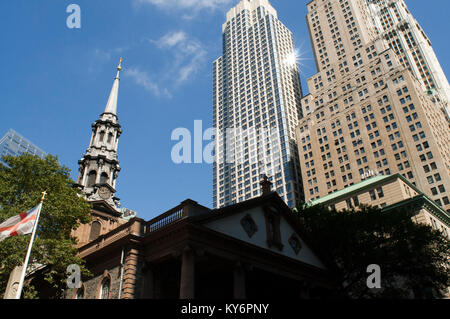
x,y
369,110
401,31
15,144
257,95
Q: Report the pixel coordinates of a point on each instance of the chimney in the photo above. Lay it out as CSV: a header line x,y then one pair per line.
x,y
266,185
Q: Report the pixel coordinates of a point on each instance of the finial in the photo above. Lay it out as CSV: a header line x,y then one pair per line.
x,y
119,68
266,185
43,196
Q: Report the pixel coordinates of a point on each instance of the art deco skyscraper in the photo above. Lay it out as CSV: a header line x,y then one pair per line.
x,y
401,31
257,97
369,110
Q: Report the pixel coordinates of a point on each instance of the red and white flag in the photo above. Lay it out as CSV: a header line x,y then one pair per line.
x,y
19,225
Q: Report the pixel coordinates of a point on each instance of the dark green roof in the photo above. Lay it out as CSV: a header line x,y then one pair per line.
x,y
382,179
356,188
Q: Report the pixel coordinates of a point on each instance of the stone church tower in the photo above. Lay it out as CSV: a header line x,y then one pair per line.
x,y
98,171
99,166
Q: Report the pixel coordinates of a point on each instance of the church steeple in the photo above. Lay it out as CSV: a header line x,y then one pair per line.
x,y
111,106
99,166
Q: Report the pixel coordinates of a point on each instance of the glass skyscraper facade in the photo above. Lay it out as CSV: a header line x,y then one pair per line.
x,y
15,144
257,95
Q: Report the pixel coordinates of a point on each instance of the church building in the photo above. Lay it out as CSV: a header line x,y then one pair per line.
x,y
253,249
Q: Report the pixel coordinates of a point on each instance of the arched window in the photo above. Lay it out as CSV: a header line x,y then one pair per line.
x,y
80,293
104,290
102,136
95,230
92,177
110,137
104,178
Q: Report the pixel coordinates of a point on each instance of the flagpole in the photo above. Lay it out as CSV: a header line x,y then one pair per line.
x,y
30,245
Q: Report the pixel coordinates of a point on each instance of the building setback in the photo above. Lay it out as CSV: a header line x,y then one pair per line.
x,y
388,192
256,108
396,25
367,112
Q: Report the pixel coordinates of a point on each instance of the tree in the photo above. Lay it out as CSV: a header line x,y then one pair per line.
x,y
21,185
411,256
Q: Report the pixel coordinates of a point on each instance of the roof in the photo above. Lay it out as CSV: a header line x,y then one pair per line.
x,y
381,179
353,189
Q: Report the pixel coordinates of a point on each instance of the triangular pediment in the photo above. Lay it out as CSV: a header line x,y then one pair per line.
x,y
105,208
266,223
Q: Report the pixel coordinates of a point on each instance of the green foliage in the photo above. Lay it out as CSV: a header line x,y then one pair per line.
x,y
21,185
412,256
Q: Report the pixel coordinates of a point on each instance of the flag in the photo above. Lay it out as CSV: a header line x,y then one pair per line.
x,y
21,224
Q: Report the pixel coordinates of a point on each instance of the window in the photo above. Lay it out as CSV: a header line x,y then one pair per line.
x,y
105,289
249,225
356,201
104,178
273,229
95,230
80,293
295,243
102,136
349,203
92,178
380,192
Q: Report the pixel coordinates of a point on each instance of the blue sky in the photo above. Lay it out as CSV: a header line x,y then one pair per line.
x,y
55,81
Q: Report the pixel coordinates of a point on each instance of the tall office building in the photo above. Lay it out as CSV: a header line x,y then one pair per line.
x,y
15,144
257,96
396,25
368,112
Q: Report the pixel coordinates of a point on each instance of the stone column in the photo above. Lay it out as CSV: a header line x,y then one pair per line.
x,y
13,283
239,282
187,280
130,274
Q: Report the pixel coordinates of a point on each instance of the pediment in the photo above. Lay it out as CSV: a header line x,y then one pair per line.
x,y
267,226
104,207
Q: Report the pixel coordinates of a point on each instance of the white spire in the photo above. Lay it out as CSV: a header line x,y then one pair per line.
x,y
111,106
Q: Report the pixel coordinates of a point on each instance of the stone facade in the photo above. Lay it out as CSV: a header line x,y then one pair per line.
x,y
387,192
99,166
366,110
183,253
